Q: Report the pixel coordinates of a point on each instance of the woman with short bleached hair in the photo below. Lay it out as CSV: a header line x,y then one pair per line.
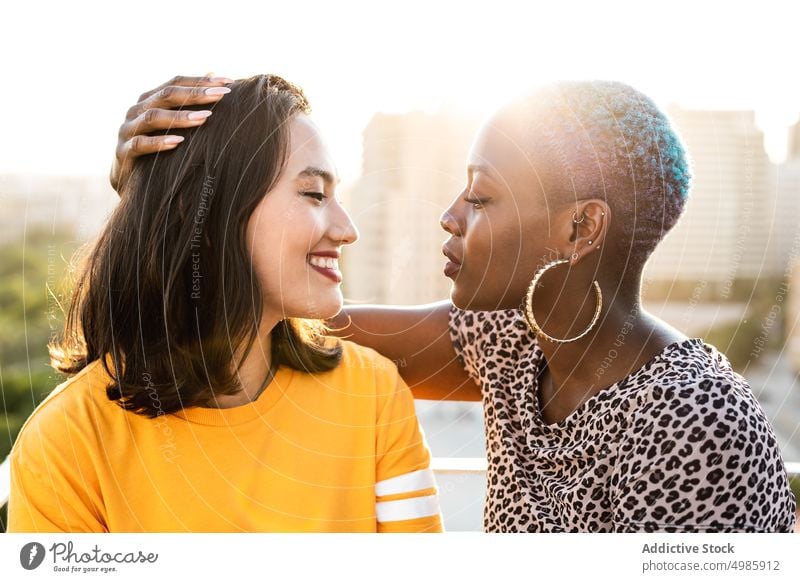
x,y
598,415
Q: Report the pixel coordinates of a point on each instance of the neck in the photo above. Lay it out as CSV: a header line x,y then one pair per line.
x,y
625,338
255,372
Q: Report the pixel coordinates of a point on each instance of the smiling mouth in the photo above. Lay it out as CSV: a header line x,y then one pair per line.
x,y
327,266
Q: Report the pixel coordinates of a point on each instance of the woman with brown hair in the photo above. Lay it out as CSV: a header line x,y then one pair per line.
x,y
205,393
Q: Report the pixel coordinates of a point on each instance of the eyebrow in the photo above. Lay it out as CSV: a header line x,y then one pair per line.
x,y
314,172
479,168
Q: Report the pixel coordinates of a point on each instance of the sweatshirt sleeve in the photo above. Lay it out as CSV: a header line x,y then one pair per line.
x,y
51,489
406,497
725,474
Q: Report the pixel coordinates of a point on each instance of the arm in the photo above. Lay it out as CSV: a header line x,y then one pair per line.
x,y
418,340
701,458
53,502
406,499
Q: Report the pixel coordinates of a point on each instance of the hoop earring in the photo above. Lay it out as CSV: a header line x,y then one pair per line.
x,y
529,306
583,217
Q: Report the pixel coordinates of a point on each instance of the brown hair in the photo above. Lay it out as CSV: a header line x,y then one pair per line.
x,y
168,289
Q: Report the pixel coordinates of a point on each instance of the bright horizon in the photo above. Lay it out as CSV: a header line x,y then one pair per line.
x,y
75,70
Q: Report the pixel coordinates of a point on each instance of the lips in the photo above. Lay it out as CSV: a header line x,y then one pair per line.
x,y
453,265
326,263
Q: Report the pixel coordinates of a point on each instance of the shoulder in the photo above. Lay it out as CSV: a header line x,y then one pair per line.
x,y
704,420
363,371
358,358
487,342
72,405
702,452
692,379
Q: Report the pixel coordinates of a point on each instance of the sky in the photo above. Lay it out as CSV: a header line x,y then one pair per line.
x,y
71,70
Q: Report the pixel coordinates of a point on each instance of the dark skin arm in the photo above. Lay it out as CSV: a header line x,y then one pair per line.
x,y
415,338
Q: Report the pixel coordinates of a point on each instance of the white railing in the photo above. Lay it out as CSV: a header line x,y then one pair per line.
x,y
455,465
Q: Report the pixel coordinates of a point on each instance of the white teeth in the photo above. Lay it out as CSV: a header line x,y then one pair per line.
x,y
324,262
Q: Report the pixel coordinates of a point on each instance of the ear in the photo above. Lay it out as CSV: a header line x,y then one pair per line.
x,y
590,224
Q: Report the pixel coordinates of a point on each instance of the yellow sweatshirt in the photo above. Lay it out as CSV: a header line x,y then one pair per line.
x,y
339,451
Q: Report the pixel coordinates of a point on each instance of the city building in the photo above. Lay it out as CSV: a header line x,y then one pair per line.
x,y
413,167
727,230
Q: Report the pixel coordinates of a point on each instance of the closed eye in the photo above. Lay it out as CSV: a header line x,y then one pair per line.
x,y
476,203
318,196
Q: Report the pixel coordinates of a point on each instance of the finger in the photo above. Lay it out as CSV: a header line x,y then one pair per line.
x,y
152,120
128,151
183,81
141,145
174,96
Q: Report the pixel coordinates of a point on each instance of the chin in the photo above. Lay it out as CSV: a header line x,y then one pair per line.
x,y
324,307
481,300
467,299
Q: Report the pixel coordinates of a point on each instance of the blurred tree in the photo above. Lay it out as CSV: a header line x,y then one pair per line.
x,y
34,292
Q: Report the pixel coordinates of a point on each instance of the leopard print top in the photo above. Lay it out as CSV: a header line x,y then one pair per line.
x,y
679,445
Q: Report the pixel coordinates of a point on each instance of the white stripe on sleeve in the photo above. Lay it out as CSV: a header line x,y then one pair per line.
x,y
414,481
411,508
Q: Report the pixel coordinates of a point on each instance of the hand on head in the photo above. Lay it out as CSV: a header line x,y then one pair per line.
x,y
157,110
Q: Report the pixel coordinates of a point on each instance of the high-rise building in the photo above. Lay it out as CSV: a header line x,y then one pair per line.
x,y
727,230
793,142
786,183
787,187
414,165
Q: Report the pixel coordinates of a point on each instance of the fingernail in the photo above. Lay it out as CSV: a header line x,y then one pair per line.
x,y
195,115
220,80
171,139
217,91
